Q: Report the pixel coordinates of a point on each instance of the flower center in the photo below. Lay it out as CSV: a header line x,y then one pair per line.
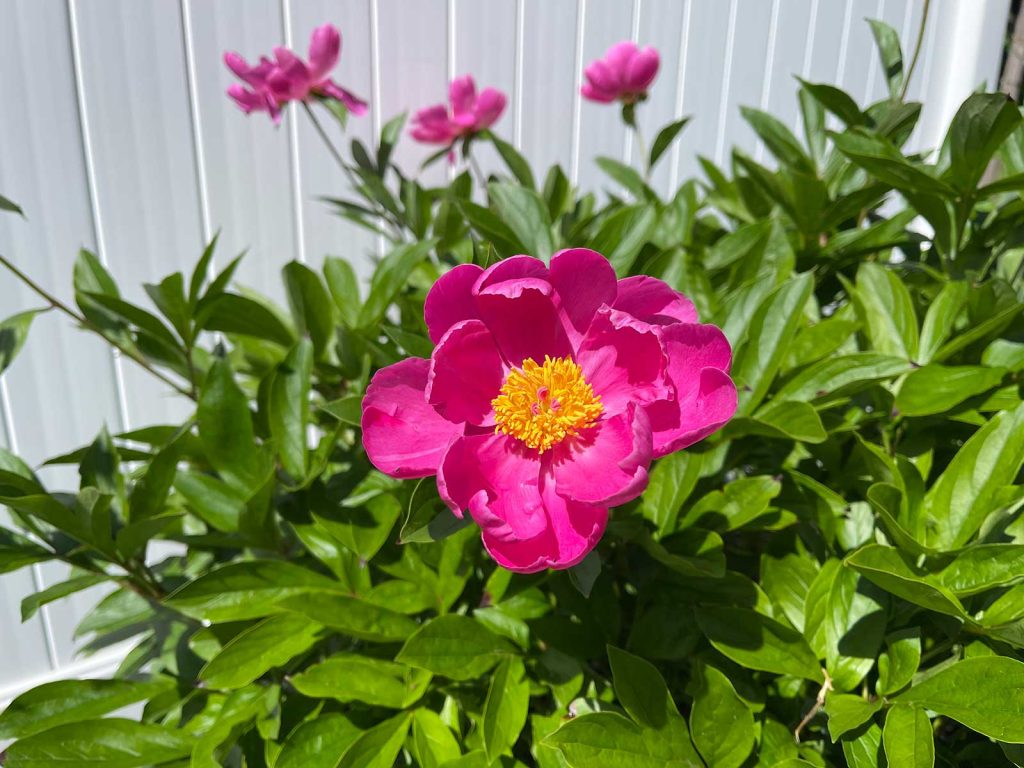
x,y
544,404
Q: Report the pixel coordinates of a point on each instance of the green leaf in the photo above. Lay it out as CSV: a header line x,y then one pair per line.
x,y
898,663
779,140
863,748
890,54
937,388
784,419
68,701
258,649
13,334
247,590
885,162
526,215
982,123
17,552
351,677
351,616
389,136
225,428
671,482
9,205
379,746
318,743
231,313
985,693
343,284
625,175
890,569
516,162
348,409
737,504
847,712
721,723
844,623
433,743
966,492
836,101
623,234
773,325
288,411
201,273
505,708
454,646
215,502
608,740
491,228
758,642
641,690
834,377
390,278
907,737
363,525
31,604
665,138
983,567
887,311
310,304
106,743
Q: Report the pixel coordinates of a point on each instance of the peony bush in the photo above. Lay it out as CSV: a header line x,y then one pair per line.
x,y
728,478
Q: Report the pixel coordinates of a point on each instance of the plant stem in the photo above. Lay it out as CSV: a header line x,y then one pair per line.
x,y
474,166
57,304
641,146
352,178
819,702
917,51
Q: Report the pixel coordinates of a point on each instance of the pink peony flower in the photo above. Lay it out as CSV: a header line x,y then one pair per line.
x,y
547,396
470,113
273,83
623,74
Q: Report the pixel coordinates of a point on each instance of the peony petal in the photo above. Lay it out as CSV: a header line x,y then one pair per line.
x,y
584,281
432,126
238,65
249,101
462,95
573,530
623,363
451,300
517,302
602,77
466,373
352,103
699,358
608,464
324,49
641,70
618,59
489,107
593,94
653,301
403,435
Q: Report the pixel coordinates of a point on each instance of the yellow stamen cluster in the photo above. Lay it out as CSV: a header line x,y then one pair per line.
x,y
544,404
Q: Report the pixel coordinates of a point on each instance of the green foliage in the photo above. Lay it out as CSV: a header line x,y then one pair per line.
x,y
835,578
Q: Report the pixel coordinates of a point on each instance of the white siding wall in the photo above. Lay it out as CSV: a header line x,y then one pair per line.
x,y
115,135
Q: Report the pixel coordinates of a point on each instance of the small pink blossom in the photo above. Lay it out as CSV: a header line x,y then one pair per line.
x,y
467,114
624,74
548,394
272,83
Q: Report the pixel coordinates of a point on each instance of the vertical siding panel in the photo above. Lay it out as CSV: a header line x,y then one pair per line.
x,y
246,157
325,233
858,58
413,73
660,25
747,75
485,47
134,83
601,131
550,83
791,41
705,68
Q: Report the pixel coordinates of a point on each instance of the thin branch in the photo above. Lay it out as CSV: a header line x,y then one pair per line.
x,y
819,702
917,51
60,306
